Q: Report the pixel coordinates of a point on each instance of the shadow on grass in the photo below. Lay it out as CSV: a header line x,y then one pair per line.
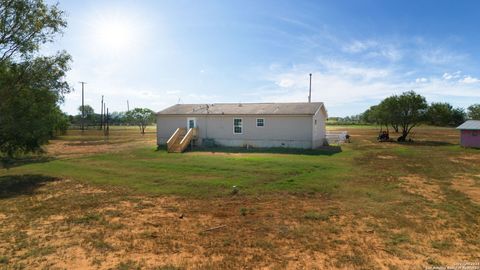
x,y
324,150
6,163
16,185
428,143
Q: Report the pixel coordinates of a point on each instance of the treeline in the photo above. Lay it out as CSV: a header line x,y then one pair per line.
x,y
440,114
141,117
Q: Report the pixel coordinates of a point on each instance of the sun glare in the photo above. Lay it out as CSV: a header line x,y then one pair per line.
x,y
114,34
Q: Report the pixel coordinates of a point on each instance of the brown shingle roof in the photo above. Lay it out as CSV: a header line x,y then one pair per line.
x,y
300,108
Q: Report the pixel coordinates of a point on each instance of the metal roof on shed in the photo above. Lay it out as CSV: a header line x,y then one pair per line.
x,y
300,108
470,125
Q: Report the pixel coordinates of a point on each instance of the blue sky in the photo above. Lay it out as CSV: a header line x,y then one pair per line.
x,y
158,53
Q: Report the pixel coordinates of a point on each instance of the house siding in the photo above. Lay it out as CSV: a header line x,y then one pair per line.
x,y
470,138
318,129
279,131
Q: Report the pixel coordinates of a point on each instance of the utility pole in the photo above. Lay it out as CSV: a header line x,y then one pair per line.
x,y
83,106
108,124
101,115
104,117
310,90
128,106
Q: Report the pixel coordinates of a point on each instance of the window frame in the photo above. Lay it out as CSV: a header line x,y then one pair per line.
x,y
241,125
263,122
194,122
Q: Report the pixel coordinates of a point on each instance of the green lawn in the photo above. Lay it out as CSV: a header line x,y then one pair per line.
x,y
201,173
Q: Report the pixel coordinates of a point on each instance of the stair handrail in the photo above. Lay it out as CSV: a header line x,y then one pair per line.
x,y
188,137
171,141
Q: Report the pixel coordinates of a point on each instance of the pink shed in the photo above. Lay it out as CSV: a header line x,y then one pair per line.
x,y
470,133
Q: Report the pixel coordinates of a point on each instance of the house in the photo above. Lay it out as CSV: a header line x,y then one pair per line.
x,y
470,133
296,125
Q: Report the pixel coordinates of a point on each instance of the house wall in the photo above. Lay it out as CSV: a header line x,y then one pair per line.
x,y
470,138
279,131
318,128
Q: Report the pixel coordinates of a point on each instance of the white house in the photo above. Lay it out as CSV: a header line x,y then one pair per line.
x,y
297,125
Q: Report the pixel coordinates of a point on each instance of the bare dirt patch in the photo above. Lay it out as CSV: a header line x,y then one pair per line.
x,y
469,186
420,186
466,159
386,157
77,144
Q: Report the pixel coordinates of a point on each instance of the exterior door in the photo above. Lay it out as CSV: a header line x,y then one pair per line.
x,y
191,123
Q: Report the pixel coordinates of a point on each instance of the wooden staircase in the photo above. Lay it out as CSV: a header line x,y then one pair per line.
x,y
180,139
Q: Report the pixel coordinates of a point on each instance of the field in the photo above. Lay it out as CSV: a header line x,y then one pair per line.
x,y
118,203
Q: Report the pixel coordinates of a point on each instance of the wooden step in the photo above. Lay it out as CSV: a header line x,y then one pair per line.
x,y
175,146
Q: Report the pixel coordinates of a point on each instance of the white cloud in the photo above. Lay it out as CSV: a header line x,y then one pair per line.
x,y
449,76
285,82
373,49
173,92
358,46
469,80
439,56
421,80
354,70
457,76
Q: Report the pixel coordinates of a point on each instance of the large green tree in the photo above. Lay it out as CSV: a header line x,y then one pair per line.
x,y
412,108
474,112
402,113
142,117
31,86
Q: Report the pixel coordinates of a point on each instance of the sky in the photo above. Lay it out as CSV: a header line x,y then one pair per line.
x,y
159,53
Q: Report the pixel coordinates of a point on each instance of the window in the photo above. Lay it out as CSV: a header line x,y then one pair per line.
x,y
237,125
191,123
260,122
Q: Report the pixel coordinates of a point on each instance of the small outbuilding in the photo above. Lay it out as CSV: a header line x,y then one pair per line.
x,y
298,125
470,133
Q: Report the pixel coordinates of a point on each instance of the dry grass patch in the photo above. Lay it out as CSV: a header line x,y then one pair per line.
x,y
469,186
420,186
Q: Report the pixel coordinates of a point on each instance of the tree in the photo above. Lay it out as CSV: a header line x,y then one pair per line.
x,y
31,86
88,114
25,25
412,108
458,116
141,117
118,118
389,112
474,112
443,114
370,115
